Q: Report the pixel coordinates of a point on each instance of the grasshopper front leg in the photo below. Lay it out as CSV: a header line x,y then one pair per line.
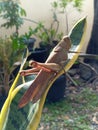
x,y
36,67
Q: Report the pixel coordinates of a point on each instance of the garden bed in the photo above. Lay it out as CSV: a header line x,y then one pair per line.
x,y
77,111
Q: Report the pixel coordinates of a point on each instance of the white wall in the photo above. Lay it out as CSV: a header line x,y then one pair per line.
x,y
40,10
89,11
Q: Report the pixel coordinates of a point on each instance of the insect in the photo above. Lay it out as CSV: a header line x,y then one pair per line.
x,y
46,71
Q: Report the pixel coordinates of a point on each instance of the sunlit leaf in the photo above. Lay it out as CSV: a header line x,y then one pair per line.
x,y
28,117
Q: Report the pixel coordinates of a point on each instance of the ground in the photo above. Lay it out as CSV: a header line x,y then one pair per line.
x,y
79,108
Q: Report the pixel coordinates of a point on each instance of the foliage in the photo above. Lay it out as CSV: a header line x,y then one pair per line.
x,y
10,47
5,109
10,53
60,6
46,35
31,113
11,12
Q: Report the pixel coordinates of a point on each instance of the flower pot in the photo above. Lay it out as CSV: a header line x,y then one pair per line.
x,y
30,43
39,55
3,97
57,90
2,100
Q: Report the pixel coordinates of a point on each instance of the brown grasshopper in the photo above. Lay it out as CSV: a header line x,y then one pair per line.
x,y
47,71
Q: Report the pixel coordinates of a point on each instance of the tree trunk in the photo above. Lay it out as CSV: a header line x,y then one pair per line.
x,y
93,43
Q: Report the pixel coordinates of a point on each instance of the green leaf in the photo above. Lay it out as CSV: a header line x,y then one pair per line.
x,y
28,117
4,115
77,31
54,4
22,12
18,119
72,58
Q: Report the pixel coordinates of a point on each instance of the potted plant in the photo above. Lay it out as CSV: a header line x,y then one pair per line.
x,y
10,53
13,19
47,41
60,7
11,12
11,47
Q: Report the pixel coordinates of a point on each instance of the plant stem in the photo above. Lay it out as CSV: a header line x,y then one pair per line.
x,y
66,19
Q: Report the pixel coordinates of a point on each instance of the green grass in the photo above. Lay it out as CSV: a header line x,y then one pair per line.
x,y
73,113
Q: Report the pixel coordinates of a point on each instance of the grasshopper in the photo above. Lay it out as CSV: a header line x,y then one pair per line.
x,y
46,71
